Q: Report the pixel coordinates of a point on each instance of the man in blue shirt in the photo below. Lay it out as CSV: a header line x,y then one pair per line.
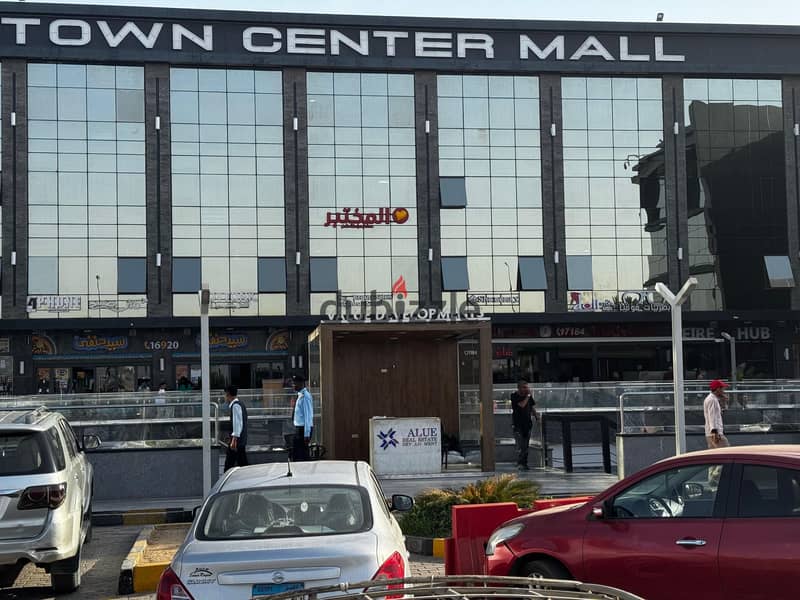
x,y
303,419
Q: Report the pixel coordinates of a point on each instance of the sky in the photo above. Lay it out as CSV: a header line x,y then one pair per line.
x,y
774,12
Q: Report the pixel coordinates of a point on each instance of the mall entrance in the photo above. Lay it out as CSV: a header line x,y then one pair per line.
x,y
397,370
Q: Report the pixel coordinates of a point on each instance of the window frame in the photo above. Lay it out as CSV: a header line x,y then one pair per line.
x,y
445,288
128,260
266,260
324,289
520,279
176,263
448,183
734,502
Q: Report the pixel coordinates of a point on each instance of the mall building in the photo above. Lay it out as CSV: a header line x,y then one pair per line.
x,y
538,177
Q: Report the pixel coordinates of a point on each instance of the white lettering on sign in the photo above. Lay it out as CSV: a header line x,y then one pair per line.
x,y
334,42
272,34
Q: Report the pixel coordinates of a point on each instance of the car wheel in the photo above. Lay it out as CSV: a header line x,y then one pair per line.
x,y
544,568
8,574
65,575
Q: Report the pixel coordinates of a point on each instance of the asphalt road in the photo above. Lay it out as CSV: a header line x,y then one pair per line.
x,y
101,562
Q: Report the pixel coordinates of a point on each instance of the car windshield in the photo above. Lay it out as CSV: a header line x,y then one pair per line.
x,y
21,454
289,511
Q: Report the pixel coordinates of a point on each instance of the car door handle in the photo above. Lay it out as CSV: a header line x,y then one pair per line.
x,y
691,542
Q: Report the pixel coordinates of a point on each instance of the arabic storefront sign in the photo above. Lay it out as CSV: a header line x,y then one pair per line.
x,y
228,341
117,305
353,218
233,299
628,301
99,343
493,299
278,341
53,304
405,446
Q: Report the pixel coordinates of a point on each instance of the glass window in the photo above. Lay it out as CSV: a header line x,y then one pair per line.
x,y
769,492
779,271
131,275
43,275
685,492
271,275
324,275
579,272
453,192
532,275
290,511
454,273
186,274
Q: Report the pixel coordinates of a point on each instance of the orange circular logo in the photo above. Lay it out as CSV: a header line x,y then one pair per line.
x,y
400,215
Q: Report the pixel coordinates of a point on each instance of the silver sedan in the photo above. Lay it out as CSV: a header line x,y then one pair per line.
x,y
274,528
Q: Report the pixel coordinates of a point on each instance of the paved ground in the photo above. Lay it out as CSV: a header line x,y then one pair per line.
x,y
101,563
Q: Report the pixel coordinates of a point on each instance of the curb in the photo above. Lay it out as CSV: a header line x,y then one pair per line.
x,y
125,585
425,546
142,517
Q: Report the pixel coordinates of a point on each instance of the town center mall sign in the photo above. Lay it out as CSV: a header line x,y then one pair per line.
x,y
239,38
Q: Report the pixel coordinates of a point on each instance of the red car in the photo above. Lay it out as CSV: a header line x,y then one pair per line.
x,y
713,525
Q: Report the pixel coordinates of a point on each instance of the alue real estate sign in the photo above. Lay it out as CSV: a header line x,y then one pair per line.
x,y
405,446
76,32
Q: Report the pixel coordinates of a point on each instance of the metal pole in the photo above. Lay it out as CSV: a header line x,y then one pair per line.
x,y
677,378
205,374
732,341
676,302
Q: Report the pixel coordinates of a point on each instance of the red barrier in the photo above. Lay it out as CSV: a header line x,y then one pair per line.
x,y
474,523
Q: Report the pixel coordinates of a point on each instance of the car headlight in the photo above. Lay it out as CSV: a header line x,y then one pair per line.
x,y
502,535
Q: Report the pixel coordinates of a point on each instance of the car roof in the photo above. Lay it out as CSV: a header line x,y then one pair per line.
x,y
328,472
791,451
39,419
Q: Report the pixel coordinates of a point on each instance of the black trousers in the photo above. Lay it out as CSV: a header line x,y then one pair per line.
x,y
236,458
299,446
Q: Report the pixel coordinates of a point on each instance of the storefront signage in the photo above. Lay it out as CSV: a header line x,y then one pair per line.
x,y
228,341
353,218
501,352
99,343
628,301
117,305
405,446
747,333
373,308
162,344
278,341
493,299
42,345
5,345
53,304
233,300
6,366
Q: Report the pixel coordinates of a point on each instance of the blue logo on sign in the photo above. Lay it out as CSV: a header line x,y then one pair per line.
x,y
387,439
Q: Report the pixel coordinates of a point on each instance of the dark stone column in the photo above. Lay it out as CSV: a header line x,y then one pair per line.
x,y
295,178
23,353
675,181
791,115
426,123
15,189
158,168
553,193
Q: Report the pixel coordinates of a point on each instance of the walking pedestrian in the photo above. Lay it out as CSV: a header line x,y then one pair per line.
x,y
303,419
523,412
237,449
712,411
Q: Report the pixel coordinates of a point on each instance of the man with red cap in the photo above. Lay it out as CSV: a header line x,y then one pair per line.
x,y
712,410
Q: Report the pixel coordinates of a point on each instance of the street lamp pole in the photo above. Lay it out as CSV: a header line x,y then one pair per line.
x,y
732,340
205,379
676,303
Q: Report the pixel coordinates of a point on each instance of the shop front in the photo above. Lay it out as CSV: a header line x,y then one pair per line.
x,y
570,353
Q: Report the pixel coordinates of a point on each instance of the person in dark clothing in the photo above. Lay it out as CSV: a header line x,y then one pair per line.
x,y
237,449
523,412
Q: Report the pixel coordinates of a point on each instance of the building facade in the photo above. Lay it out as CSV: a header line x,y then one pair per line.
x,y
311,168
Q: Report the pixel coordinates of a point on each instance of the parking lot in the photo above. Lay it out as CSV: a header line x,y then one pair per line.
x,y
100,568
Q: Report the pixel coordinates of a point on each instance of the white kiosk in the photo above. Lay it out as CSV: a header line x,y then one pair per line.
x,y
405,446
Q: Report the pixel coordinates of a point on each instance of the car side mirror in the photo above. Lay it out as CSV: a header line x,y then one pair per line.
x,y
90,442
402,503
693,490
599,511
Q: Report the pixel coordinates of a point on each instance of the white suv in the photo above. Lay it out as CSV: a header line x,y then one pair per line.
x,y
45,497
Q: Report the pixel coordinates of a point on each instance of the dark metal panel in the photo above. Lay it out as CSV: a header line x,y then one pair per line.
x,y
675,181
791,116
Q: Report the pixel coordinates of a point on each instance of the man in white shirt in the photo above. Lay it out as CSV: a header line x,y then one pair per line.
x,y
237,454
712,410
303,419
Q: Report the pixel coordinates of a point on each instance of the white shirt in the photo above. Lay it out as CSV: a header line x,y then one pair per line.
x,y
713,414
236,411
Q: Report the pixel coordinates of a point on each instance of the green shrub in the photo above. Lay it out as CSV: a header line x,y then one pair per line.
x,y
431,515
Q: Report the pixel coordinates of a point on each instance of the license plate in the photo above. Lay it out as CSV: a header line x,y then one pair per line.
x,y
265,589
